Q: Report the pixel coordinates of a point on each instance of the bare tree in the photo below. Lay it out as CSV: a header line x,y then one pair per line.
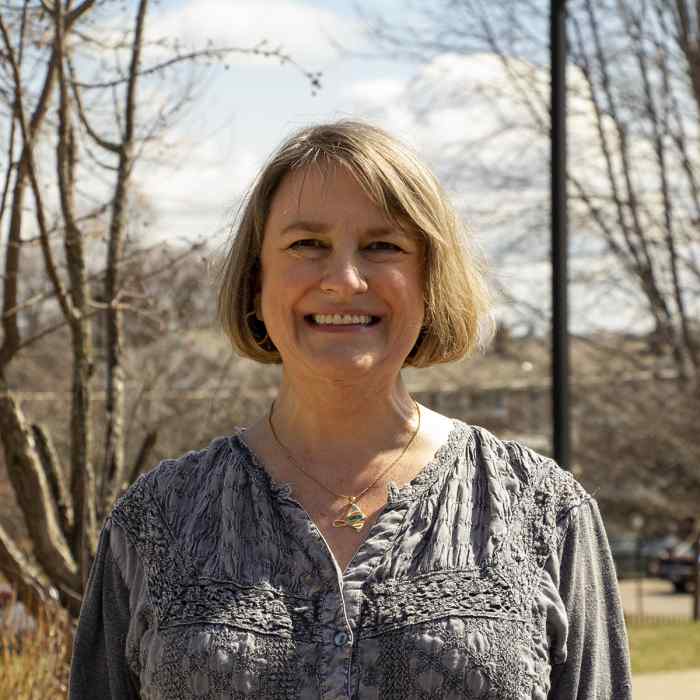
x,y
633,179
93,124
634,113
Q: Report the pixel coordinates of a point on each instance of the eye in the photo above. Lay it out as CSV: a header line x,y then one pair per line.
x,y
307,243
384,246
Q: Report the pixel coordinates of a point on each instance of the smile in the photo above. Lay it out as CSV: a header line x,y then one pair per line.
x,y
342,319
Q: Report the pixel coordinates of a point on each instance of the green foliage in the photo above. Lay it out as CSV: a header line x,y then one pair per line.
x,y
672,646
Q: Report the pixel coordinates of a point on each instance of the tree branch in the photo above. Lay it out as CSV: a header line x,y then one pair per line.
x,y
54,475
11,340
143,456
11,140
635,29
31,172
102,143
314,78
605,147
690,47
33,493
26,578
113,465
83,538
649,281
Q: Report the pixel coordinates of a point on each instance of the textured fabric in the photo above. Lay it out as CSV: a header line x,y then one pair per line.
x,y
104,621
488,576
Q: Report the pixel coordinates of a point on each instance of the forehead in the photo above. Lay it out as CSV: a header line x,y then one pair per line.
x,y
326,193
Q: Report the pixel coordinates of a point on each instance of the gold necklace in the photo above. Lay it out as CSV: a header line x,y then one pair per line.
x,y
354,517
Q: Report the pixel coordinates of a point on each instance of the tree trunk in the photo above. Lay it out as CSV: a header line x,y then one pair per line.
x,y
113,473
33,493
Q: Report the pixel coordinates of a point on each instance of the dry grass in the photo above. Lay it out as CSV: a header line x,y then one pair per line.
x,y
35,665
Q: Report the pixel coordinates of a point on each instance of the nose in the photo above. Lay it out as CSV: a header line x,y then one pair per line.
x,y
343,276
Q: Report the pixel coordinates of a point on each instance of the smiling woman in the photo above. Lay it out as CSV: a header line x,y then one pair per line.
x,y
406,201
351,543
333,263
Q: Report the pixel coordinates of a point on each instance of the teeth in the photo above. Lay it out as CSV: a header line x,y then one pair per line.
x,y
341,320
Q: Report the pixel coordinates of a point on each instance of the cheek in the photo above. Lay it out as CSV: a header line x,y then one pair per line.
x,y
408,290
282,286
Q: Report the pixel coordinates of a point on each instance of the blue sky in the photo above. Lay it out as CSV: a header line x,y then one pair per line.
x,y
243,113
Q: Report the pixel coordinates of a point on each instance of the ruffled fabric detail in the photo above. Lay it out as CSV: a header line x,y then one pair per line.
x,y
450,594
293,520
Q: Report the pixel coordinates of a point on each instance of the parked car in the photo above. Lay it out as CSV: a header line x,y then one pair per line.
x,y
635,558
677,565
627,558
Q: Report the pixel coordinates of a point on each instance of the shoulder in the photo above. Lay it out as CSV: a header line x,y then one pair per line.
x,y
517,469
175,485
531,501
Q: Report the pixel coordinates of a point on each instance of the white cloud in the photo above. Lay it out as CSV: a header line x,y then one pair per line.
x,y
481,135
452,99
194,191
300,30
212,155
466,118
374,91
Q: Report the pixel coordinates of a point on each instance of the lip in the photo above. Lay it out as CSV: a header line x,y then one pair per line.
x,y
342,312
345,327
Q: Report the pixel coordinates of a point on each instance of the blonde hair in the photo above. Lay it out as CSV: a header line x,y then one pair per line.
x,y
456,297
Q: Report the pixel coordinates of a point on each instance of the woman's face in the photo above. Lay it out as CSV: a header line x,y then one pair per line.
x,y
342,286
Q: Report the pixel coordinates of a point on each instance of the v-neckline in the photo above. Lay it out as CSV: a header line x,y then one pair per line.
x,y
425,477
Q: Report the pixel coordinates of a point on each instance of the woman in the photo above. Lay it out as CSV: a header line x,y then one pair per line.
x,y
352,543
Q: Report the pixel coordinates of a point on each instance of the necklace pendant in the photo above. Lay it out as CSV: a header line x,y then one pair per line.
x,y
354,518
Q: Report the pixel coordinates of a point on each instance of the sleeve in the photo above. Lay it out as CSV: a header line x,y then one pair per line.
x,y
99,668
597,657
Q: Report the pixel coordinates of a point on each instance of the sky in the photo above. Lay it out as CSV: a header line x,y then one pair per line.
x,y
243,112
246,111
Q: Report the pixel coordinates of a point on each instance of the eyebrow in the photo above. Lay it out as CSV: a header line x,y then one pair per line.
x,y
303,225
320,227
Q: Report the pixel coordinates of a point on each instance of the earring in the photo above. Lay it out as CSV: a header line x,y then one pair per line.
x,y
266,340
261,343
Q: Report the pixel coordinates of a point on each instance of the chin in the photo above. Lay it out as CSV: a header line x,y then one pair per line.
x,y
345,367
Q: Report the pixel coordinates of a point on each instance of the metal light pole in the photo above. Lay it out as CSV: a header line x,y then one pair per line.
x,y
560,334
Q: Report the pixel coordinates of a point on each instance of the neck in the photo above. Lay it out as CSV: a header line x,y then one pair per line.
x,y
357,427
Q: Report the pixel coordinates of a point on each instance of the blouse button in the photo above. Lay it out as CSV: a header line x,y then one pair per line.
x,y
340,639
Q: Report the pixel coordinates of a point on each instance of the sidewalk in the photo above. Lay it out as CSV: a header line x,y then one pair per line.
x,y
673,685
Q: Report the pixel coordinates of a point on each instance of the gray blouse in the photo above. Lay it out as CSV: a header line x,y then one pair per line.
x,y
488,576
